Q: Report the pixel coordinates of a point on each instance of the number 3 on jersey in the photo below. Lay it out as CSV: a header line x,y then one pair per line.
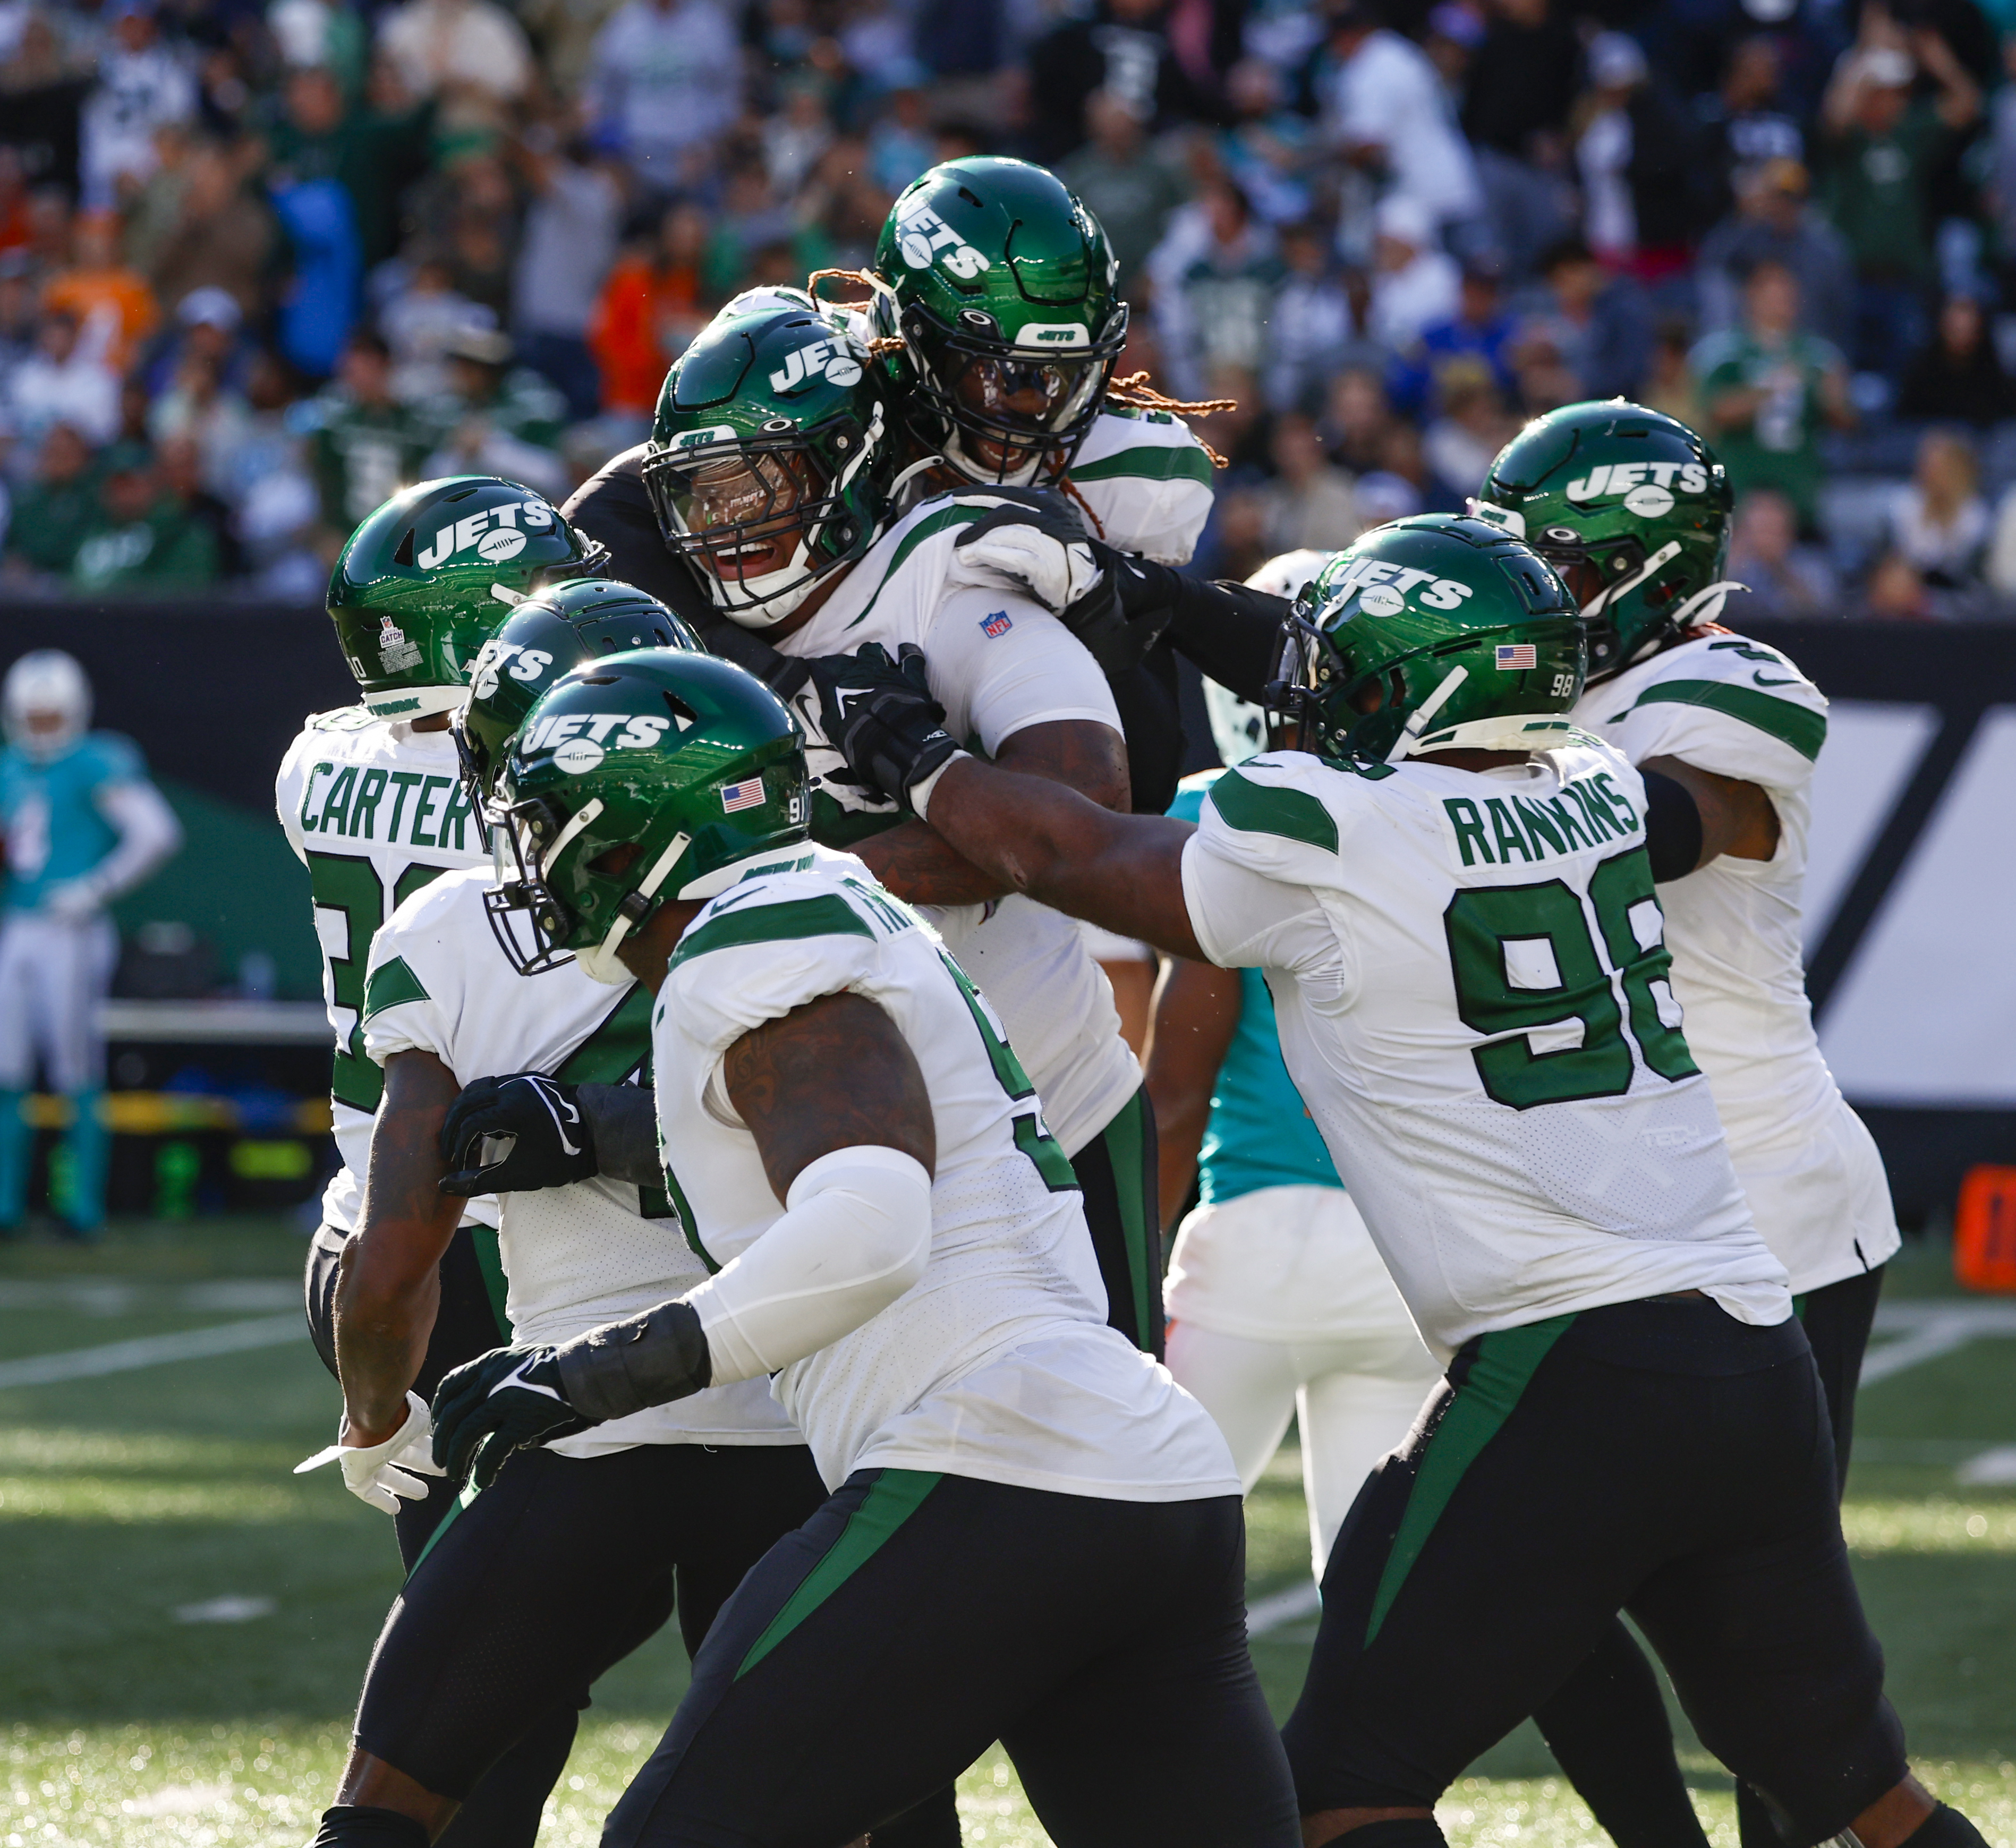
x,y
1032,1135
351,888
1527,967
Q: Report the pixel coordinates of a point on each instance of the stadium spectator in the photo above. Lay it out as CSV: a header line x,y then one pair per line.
x,y
1882,146
1957,376
1669,383
1768,389
1312,327
1481,328
1744,129
572,224
223,237
67,380
1415,284
363,443
1938,522
1216,316
1594,323
470,57
140,539
182,469
1384,110
142,84
1121,47
97,277
420,317
1522,89
1130,186
1785,577
501,419
665,79
1773,223
899,146
1359,420
54,508
1309,501
650,307
1470,428
1638,169
373,148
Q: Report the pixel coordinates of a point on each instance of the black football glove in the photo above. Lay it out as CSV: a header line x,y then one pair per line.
x,y
515,1134
494,1405
885,723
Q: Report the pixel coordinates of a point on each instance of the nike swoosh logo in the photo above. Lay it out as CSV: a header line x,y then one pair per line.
x,y
517,1378
555,1104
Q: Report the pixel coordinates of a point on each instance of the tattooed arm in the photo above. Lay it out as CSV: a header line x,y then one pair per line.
x,y
389,1282
916,864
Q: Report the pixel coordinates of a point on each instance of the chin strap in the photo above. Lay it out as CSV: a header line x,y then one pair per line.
x,y
1705,605
1610,593
1417,721
628,915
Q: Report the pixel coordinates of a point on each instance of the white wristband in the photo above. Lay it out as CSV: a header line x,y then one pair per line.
x,y
920,792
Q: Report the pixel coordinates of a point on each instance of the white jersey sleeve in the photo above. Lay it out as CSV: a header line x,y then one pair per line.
x,y
1148,482
999,663
1722,703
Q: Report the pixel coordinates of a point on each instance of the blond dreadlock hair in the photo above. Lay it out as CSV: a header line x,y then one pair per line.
x,y
1134,393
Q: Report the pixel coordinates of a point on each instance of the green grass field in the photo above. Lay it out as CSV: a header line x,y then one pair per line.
x,y
186,1622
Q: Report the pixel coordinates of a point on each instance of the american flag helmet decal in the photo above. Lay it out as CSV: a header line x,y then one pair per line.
x,y
1514,656
748,793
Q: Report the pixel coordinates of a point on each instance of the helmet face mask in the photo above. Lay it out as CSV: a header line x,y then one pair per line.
x,y
1436,633
1000,284
770,459
425,579
1632,508
633,779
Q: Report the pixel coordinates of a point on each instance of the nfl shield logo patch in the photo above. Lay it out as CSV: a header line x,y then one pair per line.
x,y
997,624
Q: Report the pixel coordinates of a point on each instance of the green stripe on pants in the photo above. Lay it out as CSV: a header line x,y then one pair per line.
x,y
1126,1147
897,1494
1506,1363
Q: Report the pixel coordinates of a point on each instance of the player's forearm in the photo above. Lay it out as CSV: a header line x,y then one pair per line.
x,y
920,867
383,1323
1122,872
149,835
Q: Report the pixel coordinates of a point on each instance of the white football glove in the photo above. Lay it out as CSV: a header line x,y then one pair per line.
x,y
380,1473
1013,551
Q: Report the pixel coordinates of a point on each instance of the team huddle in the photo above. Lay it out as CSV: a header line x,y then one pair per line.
x,y
749,1210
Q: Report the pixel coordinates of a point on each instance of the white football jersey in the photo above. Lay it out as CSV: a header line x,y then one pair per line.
x,y
1147,482
997,1363
1811,1168
374,810
1471,986
574,1256
999,664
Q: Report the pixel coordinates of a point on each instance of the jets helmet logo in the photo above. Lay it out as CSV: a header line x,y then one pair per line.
x,y
828,358
1386,586
395,652
526,664
922,235
1647,489
494,533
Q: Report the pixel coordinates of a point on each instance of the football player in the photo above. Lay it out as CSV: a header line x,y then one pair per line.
x,y
994,319
80,824
371,800
861,1163
770,465
571,1557
1453,898
1632,509
1280,1307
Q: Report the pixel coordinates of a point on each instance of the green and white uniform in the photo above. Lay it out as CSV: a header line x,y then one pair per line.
x,y
374,810
1147,481
1472,992
999,664
1814,1178
574,1256
997,1363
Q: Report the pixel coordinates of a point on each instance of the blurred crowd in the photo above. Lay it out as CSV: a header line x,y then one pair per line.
x,y
262,261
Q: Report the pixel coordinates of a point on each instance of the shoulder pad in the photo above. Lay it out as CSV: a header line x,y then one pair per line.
x,y
341,718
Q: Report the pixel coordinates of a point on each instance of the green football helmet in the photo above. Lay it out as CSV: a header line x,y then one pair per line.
x,y
1001,285
424,580
1433,633
1632,508
633,779
544,637
770,458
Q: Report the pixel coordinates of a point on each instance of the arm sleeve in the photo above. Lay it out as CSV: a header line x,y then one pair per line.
x,y
1230,631
1672,828
149,835
1000,663
855,1235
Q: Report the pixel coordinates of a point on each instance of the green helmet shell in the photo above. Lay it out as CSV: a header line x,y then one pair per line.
x,y
423,580
1631,507
690,760
1001,286
544,637
1469,639
790,399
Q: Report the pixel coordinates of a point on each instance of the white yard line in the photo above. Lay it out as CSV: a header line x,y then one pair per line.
x,y
1926,1330
151,1350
